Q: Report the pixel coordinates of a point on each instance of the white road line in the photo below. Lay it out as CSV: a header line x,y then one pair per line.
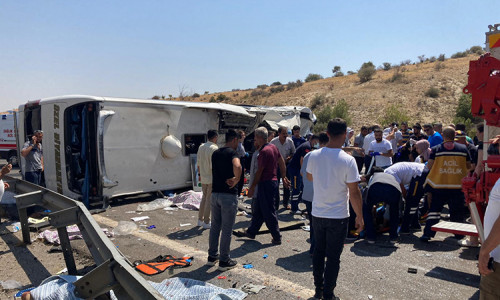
x,y
253,274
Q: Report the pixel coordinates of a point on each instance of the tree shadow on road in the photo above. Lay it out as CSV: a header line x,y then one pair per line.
x,y
248,246
300,262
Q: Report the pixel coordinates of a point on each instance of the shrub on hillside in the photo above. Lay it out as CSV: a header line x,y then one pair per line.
x,y
366,72
393,114
259,92
262,86
222,97
421,58
340,110
291,84
405,62
275,83
276,89
441,57
398,76
439,65
313,77
432,59
432,92
476,50
212,99
351,72
337,72
459,54
317,101
196,95
386,66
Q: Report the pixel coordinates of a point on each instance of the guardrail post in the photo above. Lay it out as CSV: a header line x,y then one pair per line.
x,y
24,201
67,250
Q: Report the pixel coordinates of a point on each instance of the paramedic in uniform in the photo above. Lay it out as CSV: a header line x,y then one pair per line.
x,y
448,163
33,153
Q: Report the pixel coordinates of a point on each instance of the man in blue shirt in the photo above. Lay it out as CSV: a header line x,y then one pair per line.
x,y
434,137
296,138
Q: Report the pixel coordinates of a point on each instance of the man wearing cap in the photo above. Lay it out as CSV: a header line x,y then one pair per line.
x,y
296,138
33,153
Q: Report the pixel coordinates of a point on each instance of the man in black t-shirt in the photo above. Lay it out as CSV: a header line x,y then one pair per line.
x,y
226,172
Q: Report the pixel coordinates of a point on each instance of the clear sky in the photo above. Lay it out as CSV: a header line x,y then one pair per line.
x,y
139,49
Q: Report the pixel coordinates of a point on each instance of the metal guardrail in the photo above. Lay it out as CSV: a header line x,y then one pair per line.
x,y
113,271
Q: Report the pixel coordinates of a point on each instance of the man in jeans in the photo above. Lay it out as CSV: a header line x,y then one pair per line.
x,y
335,178
226,172
33,153
267,182
204,158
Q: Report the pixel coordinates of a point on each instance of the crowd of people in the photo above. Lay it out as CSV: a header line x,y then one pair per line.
x,y
382,180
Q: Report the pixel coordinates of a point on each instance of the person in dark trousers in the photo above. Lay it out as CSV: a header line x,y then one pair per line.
x,y
286,148
242,154
448,163
296,138
294,171
335,178
266,180
33,154
308,191
226,172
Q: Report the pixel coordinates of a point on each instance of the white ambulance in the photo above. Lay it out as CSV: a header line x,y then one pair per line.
x,y
8,148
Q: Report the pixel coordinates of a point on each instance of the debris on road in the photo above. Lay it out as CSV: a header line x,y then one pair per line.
x,y
248,266
155,204
306,228
138,219
52,236
125,228
252,288
186,224
151,227
412,270
265,256
221,277
10,284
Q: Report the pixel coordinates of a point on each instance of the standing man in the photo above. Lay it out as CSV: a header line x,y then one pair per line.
x,y
242,154
296,138
434,137
438,127
294,170
405,134
381,149
33,153
287,149
490,250
308,191
366,145
358,142
226,172
269,160
335,180
204,158
448,163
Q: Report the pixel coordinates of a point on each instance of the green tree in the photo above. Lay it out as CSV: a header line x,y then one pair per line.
x,y
339,110
366,72
313,77
391,114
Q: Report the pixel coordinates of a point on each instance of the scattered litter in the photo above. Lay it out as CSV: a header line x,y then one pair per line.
x,y
248,266
37,221
378,271
142,231
296,250
265,256
189,200
186,224
52,236
143,225
138,219
370,297
16,226
242,213
221,277
130,212
62,271
171,208
151,227
11,284
252,288
155,204
125,228
428,254
306,228
412,270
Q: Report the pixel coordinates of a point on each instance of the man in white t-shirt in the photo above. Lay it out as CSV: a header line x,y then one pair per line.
x,y
335,178
411,178
381,149
490,279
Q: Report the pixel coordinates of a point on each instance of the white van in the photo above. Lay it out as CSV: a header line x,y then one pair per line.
x,y
97,148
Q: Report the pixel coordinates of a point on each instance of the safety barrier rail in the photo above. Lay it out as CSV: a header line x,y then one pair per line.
x,y
113,271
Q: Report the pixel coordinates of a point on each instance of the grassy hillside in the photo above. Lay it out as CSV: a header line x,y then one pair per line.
x,y
405,87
